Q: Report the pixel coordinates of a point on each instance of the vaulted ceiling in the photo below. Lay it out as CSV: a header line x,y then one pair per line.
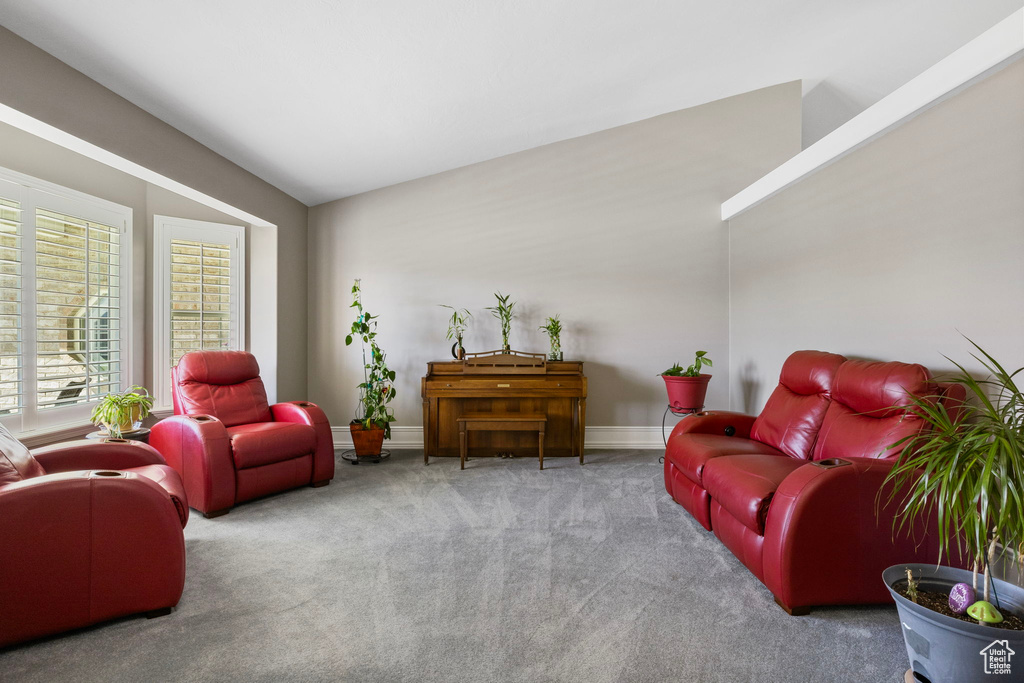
x,y
328,98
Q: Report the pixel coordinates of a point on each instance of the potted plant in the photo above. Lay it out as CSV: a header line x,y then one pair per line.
x,y
457,325
119,413
553,328
687,387
965,468
373,420
503,312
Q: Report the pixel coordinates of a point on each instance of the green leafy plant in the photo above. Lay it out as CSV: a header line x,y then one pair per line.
x,y
377,388
678,370
967,468
118,412
503,312
553,328
458,323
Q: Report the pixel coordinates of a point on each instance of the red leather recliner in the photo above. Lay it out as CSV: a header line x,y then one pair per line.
x,y
91,530
793,493
228,444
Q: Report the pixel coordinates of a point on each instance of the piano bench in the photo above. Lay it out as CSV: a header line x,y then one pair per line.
x,y
500,422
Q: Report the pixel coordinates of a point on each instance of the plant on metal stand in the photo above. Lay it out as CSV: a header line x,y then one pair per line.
x,y
373,419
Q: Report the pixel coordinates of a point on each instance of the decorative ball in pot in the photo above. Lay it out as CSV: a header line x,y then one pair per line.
x,y
964,472
687,387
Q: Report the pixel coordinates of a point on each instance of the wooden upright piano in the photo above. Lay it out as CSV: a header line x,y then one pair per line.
x,y
503,382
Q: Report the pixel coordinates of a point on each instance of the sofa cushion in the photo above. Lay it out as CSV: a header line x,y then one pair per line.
x,y
690,452
225,384
745,484
263,443
170,482
792,416
868,410
16,463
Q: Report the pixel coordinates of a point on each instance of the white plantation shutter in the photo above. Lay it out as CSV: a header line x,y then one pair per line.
x,y
198,291
63,270
11,345
200,297
78,304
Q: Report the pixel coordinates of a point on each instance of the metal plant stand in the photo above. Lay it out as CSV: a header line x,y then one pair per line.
x,y
677,413
351,456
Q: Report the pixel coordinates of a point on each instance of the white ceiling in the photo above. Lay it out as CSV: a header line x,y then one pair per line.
x,y
329,98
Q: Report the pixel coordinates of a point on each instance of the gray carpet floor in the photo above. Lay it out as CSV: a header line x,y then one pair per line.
x,y
400,572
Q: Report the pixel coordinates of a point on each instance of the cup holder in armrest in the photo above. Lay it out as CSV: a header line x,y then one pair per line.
x,y
111,439
202,418
831,463
108,473
303,404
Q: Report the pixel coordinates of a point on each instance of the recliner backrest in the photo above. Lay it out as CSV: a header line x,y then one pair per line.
x,y
225,384
793,414
16,463
868,413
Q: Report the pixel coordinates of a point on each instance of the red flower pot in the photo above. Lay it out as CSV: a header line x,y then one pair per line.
x,y
686,394
367,442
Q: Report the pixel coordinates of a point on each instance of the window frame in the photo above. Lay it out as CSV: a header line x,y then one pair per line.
x,y
165,229
33,193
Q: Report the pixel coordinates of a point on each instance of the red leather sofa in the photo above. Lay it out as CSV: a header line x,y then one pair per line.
x,y
228,444
90,531
793,493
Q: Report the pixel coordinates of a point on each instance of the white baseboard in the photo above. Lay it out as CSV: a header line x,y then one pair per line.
x,y
597,437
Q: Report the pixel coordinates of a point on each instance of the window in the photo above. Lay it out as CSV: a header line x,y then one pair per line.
x,y
198,290
64,275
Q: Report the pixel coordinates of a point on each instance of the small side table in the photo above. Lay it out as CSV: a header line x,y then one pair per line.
x,y
134,435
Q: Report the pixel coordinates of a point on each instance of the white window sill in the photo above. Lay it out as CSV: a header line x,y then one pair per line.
x,y
70,431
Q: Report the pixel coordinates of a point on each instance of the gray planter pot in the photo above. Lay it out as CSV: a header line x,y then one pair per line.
x,y
946,650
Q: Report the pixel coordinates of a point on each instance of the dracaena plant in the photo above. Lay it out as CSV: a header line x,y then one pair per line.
x,y
117,410
678,370
967,468
553,328
377,388
503,312
458,323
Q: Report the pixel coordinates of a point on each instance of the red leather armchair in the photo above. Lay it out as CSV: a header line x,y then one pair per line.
x,y
228,444
794,492
92,530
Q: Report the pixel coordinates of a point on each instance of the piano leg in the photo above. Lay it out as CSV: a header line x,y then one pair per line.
x,y
540,446
582,424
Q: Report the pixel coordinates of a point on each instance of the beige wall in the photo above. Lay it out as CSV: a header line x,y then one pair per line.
x,y
45,88
894,250
618,231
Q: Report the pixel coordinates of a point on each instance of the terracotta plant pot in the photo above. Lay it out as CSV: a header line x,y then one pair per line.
x,y
686,394
367,442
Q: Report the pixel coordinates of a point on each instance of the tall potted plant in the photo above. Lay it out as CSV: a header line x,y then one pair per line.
x,y
457,325
373,420
553,328
118,413
965,468
503,312
687,387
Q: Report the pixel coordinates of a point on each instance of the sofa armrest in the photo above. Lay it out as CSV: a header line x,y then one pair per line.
x,y
198,448
81,547
111,454
304,412
829,535
722,422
